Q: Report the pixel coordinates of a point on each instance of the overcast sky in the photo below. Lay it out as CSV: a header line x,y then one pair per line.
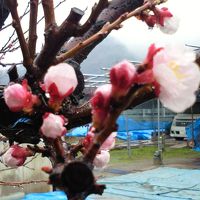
x,y
135,34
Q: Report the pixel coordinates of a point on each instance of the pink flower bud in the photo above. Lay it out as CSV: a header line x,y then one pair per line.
x,y
166,21
18,98
102,159
122,78
53,126
100,105
101,97
107,145
109,142
15,156
60,81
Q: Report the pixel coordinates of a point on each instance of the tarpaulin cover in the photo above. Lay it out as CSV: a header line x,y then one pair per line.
x,y
163,183
58,195
193,131
137,130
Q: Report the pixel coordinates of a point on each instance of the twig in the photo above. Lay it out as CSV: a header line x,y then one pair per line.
x,y
33,158
107,28
12,5
14,42
7,64
33,27
21,17
19,184
5,47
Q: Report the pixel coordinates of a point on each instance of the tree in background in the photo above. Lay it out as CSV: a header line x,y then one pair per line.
x,y
41,106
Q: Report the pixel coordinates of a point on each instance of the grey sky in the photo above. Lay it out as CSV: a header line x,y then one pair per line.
x,y
135,34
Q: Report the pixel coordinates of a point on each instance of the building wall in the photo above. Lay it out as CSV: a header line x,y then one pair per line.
x,y
32,171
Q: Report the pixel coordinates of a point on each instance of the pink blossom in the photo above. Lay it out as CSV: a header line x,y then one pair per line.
x,y
100,104
60,81
107,145
15,156
163,18
53,126
122,78
109,142
178,77
18,97
167,22
101,97
102,159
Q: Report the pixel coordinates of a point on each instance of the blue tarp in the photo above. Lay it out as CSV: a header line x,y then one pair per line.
x,y
137,130
163,183
193,130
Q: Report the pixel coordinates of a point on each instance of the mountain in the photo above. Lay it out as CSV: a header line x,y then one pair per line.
x,y
106,54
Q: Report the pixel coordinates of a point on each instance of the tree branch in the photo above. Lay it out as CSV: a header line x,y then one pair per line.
x,y
110,123
49,15
96,10
33,27
27,61
106,29
20,183
55,38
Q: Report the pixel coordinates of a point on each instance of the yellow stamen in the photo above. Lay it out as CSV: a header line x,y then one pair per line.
x,y
176,70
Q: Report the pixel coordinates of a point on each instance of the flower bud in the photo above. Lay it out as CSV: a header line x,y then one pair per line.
x,y
167,22
102,159
18,97
60,81
15,156
53,126
122,78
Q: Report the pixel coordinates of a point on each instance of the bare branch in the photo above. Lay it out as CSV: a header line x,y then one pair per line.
x,y
33,27
22,16
107,28
48,7
19,184
96,10
55,38
12,5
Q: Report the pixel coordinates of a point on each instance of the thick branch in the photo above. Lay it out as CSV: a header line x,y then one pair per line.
x,y
48,7
55,38
106,29
96,10
33,27
27,61
115,9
